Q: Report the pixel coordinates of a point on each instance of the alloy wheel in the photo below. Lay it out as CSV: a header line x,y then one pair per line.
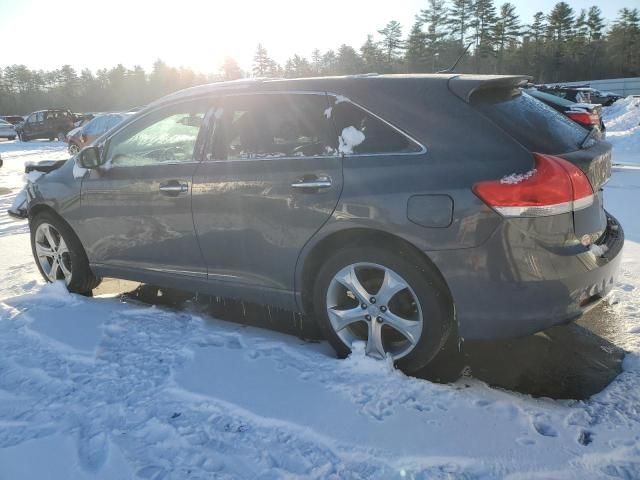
x,y
372,303
73,149
53,253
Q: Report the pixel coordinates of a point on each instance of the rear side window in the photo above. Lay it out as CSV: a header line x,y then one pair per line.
x,y
360,132
532,123
261,126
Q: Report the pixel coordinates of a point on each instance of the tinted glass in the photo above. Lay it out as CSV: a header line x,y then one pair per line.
x,y
359,132
532,123
274,125
32,118
40,117
165,136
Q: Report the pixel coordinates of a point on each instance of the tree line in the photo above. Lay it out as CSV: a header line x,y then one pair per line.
x,y
560,45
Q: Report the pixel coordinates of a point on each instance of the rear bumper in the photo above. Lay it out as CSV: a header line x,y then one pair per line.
x,y
513,286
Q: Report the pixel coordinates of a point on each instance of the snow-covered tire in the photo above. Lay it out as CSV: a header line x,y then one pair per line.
x,y
60,136
82,279
425,290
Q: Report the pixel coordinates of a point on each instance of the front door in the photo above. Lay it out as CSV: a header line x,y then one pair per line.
x,y
137,207
271,180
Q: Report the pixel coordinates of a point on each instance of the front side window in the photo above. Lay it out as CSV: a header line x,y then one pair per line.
x,y
33,118
273,125
165,136
40,117
359,132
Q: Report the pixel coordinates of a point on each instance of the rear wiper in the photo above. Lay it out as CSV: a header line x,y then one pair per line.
x,y
589,141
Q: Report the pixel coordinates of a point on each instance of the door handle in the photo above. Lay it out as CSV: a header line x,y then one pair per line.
x,y
173,188
314,182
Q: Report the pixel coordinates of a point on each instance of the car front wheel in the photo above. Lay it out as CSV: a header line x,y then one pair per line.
x,y
59,254
73,148
395,303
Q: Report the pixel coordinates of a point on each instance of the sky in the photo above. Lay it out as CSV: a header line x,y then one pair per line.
x,y
200,33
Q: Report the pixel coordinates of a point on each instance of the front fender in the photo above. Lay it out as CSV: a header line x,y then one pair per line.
x,y
58,190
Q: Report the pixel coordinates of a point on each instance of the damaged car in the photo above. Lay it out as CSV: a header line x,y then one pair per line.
x,y
398,211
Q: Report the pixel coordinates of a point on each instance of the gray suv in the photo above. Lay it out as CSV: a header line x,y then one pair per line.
x,y
397,211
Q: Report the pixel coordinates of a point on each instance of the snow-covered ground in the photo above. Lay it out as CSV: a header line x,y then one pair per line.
x,y
99,388
622,120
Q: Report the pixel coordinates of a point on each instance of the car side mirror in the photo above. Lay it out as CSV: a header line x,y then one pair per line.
x,y
90,157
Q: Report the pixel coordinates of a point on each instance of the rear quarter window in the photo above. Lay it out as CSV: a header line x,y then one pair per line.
x,y
361,133
532,123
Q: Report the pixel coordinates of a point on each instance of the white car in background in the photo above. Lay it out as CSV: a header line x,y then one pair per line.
x,y
7,130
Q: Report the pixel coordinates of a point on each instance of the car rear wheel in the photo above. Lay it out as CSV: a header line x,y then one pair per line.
x,y
397,305
60,136
73,148
59,254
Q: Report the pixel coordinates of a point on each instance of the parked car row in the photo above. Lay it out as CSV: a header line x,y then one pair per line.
x,y
77,129
581,94
587,115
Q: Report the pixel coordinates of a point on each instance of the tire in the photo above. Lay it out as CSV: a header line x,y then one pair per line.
x,y
73,148
425,299
23,137
60,136
12,138
72,259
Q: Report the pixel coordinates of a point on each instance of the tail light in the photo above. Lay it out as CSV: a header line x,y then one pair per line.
x,y
587,119
553,187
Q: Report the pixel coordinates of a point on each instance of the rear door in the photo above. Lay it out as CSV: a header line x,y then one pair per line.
x,y
137,207
272,179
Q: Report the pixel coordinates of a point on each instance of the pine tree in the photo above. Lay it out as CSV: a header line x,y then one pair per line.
x,y
373,56
624,41
230,69
263,65
391,39
581,28
435,19
348,62
316,61
595,23
460,19
560,22
483,25
416,52
506,31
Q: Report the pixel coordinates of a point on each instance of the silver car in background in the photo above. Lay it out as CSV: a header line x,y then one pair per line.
x,y
7,130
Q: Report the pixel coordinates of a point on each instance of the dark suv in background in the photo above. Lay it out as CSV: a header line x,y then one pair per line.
x,y
396,211
49,124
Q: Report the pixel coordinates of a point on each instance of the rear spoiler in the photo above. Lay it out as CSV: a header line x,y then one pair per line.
x,y
464,86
